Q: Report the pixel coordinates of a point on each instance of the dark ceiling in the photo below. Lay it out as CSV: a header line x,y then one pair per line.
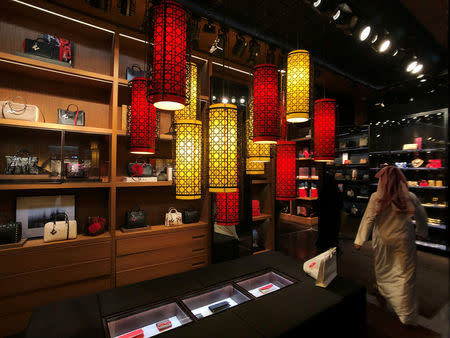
x,y
294,24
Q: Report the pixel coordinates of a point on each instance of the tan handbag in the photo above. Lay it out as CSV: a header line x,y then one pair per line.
x,y
19,111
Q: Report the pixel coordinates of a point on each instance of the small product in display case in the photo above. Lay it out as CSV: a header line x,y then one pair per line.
x,y
264,283
215,300
147,323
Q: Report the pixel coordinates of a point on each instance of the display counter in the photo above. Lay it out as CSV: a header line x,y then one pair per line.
x,y
265,295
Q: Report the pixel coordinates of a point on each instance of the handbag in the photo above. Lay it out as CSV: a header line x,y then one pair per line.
x,y
42,48
416,163
65,48
135,219
72,118
410,146
19,111
96,226
191,216
323,267
256,211
10,232
400,165
60,230
434,164
363,142
136,169
135,71
173,217
21,165
77,170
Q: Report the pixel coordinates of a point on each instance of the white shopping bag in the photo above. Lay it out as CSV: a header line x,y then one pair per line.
x,y
323,268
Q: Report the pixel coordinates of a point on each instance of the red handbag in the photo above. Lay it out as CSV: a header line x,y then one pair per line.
x,y
302,192
255,208
434,164
314,193
423,183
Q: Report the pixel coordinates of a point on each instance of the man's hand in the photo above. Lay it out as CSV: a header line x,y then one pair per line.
x,y
357,247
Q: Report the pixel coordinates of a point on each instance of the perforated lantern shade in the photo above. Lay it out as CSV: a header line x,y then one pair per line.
x,y
223,156
188,183
266,107
142,119
298,86
285,170
256,152
254,168
189,112
169,26
324,129
227,208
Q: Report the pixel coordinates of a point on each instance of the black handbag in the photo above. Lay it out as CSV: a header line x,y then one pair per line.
x,y
136,169
135,219
21,165
135,71
42,48
72,118
191,216
10,232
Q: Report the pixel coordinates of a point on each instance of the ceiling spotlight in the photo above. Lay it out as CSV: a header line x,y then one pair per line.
x,y
420,76
384,45
224,100
254,49
214,98
364,33
317,3
239,46
325,6
411,66
336,15
395,52
218,44
417,68
233,100
374,39
423,80
242,100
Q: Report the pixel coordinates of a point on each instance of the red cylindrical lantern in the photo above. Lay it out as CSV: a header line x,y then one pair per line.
x,y
227,208
285,170
266,107
324,129
169,27
142,119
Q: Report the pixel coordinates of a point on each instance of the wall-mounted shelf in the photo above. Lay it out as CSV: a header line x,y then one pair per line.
x,y
436,246
261,217
260,181
415,169
309,221
434,225
387,152
414,187
308,198
307,179
64,185
348,150
434,206
159,229
302,139
143,184
305,159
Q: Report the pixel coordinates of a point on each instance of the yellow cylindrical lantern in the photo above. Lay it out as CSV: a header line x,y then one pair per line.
x,y
254,168
189,112
223,156
256,152
298,86
188,173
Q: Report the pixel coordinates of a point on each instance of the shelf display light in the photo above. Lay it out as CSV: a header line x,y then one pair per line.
x,y
227,208
141,119
168,27
256,152
223,148
188,152
298,86
324,129
266,107
285,178
189,112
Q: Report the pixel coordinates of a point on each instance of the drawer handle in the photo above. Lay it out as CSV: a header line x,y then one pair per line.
x,y
198,236
197,250
199,263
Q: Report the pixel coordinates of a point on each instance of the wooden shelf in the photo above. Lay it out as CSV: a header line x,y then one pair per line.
x,y
48,70
305,159
299,219
64,185
301,139
143,184
161,137
261,217
307,179
54,126
261,251
308,198
260,181
157,229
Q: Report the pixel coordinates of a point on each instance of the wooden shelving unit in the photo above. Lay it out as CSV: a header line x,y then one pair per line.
x,y
261,217
143,184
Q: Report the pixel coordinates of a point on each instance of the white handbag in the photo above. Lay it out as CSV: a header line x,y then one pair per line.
x,y
60,230
173,217
323,268
19,111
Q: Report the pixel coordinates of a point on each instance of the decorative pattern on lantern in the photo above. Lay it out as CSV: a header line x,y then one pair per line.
x,y
254,168
168,27
285,170
324,129
266,106
189,112
227,208
256,152
141,119
188,151
298,86
223,154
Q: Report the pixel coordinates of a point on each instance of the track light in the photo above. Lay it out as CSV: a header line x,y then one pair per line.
x,y
239,46
384,45
417,68
374,39
324,6
254,49
365,32
218,44
342,15
411,66
395,52
420,76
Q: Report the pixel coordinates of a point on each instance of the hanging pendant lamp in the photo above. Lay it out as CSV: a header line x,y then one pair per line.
x,y
188,175
256,152
223,154
168,27
227,208
189,112
298,86
142,119
266,108
285,179
254,168
324,129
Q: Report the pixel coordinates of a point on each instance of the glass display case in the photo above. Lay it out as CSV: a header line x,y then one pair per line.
x,y
265,283
147,323
208,302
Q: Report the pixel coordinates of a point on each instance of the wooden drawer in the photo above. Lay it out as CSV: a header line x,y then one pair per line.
x,y
196,247
156,271
150,242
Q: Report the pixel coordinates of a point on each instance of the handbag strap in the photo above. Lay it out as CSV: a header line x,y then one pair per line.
x,y
173,210
76,115
16,112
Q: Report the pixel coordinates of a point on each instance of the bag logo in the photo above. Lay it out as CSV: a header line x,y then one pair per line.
x,y
35,47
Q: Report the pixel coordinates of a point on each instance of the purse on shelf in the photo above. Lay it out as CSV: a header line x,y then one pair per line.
x,y
400,165
21,165
410,146
42,48
19,111
137,169
77,170
95,226
135,71
416,163
60,230
256,211
363,142
173,217
135,219
71,118
10,232
434,164
191,216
